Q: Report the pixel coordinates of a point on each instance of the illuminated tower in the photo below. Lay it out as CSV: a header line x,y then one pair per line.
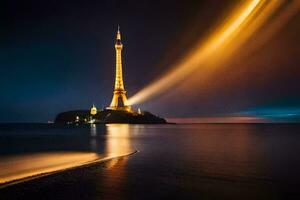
x,y
119,100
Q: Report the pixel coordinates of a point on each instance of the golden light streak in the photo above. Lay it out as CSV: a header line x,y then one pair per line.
x,y
258,18
192,61
23,166
240,26
276,25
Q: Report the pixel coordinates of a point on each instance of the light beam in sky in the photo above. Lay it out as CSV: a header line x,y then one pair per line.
x,y
213,52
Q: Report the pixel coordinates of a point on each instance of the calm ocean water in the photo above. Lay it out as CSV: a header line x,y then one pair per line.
x,y
191,161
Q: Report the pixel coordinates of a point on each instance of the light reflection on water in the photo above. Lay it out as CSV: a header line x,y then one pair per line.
x,y
56,152
118,140
93,130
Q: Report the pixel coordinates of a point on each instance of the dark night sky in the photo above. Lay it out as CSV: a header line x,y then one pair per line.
x,y
59,55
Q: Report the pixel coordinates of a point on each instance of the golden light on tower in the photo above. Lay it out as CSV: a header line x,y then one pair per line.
x,y
119,100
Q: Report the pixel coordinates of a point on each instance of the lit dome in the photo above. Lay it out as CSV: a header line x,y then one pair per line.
x,y
93,110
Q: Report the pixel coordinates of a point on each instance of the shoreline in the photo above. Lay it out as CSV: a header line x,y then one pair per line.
x,y
37,176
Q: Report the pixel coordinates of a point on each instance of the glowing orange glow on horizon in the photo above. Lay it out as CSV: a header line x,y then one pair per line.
x,y
215,51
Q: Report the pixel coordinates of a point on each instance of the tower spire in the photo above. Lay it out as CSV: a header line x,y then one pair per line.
x,y
118,33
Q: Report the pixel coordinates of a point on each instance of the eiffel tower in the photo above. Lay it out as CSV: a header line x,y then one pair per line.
x,y
119,100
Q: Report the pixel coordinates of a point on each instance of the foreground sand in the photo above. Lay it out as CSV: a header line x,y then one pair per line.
x,y
35,166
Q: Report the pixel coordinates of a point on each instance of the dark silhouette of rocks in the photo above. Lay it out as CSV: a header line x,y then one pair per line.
x,y
108,117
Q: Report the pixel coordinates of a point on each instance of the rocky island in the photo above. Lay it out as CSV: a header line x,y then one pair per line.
x,y
107,116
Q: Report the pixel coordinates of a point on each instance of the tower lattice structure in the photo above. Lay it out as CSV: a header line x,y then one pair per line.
x,y
119,100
